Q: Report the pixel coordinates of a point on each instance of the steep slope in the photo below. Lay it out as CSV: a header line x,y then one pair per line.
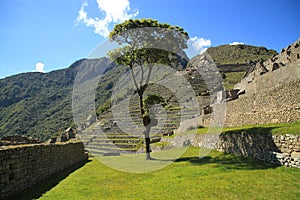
x,y
239,54
36,104
234,60
40,105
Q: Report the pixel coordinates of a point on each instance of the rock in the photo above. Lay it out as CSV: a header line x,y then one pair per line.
x,y
64,137
187,143
52,140
280,155
296,155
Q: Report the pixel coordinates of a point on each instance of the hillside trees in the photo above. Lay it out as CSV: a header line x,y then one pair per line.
x,y
145,43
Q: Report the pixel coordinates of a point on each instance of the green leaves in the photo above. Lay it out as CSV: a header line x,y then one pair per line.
x,y
152,100
146,34
146,42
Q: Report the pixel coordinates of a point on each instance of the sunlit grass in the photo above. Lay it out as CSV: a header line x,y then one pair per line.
x,y
276,129
216,176
232,78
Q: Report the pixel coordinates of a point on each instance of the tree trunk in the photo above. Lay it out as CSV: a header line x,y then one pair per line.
x,y
141,105
147,142
147,128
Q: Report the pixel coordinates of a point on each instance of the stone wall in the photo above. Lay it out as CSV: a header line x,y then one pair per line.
x,y
278,149
23,166
271,98
270,80
281,149
288,56
278,105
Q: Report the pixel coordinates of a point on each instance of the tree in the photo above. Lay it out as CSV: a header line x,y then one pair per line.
x,y
145,43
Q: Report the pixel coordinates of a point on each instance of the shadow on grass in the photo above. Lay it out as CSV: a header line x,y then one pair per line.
x,y
245,142
229,161
39,189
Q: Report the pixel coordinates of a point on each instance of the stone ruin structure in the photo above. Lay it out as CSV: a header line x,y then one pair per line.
x,y
287,56
68,134
268,93
17,140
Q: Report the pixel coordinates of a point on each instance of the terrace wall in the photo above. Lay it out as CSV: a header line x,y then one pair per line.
x,y
278,149
25,165
271,98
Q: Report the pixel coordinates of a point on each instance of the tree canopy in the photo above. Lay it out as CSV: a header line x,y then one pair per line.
x,y
145,43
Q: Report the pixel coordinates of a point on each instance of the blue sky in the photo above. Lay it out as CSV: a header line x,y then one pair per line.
x,y
44,35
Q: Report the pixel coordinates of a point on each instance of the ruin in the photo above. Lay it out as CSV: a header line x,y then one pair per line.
x,y
287,56
17,140
23,166
268,93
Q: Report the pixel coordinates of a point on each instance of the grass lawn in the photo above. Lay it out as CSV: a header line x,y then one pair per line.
x,y
274,129
216,176
232,78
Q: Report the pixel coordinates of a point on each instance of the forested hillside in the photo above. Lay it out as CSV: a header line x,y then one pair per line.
x,y
40,104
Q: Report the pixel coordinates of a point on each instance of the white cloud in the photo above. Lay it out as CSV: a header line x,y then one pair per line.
x,y
199,45
39,67
115,11
236,43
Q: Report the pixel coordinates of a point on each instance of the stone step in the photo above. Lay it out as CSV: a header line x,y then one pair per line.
x,y
101,151
110,136
113,145
134,141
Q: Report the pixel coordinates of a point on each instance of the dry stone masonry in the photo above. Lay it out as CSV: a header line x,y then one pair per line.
x,y
277,149
25,165
269,93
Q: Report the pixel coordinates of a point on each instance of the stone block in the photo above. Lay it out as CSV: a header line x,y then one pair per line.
x,y
279,155
295,155
27,165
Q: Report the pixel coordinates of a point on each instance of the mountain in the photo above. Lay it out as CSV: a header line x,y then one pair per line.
x,y
40,104
239,54
36,104
233,61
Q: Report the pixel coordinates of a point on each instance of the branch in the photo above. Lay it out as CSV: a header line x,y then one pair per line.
x,y
134,81
149,73
142,79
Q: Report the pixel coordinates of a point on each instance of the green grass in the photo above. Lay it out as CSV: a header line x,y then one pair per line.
x,y
237,54
293,128
161,144
216,176
232,78
274,129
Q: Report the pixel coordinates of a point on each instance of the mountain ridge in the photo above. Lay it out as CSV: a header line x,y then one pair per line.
x,y
40,104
